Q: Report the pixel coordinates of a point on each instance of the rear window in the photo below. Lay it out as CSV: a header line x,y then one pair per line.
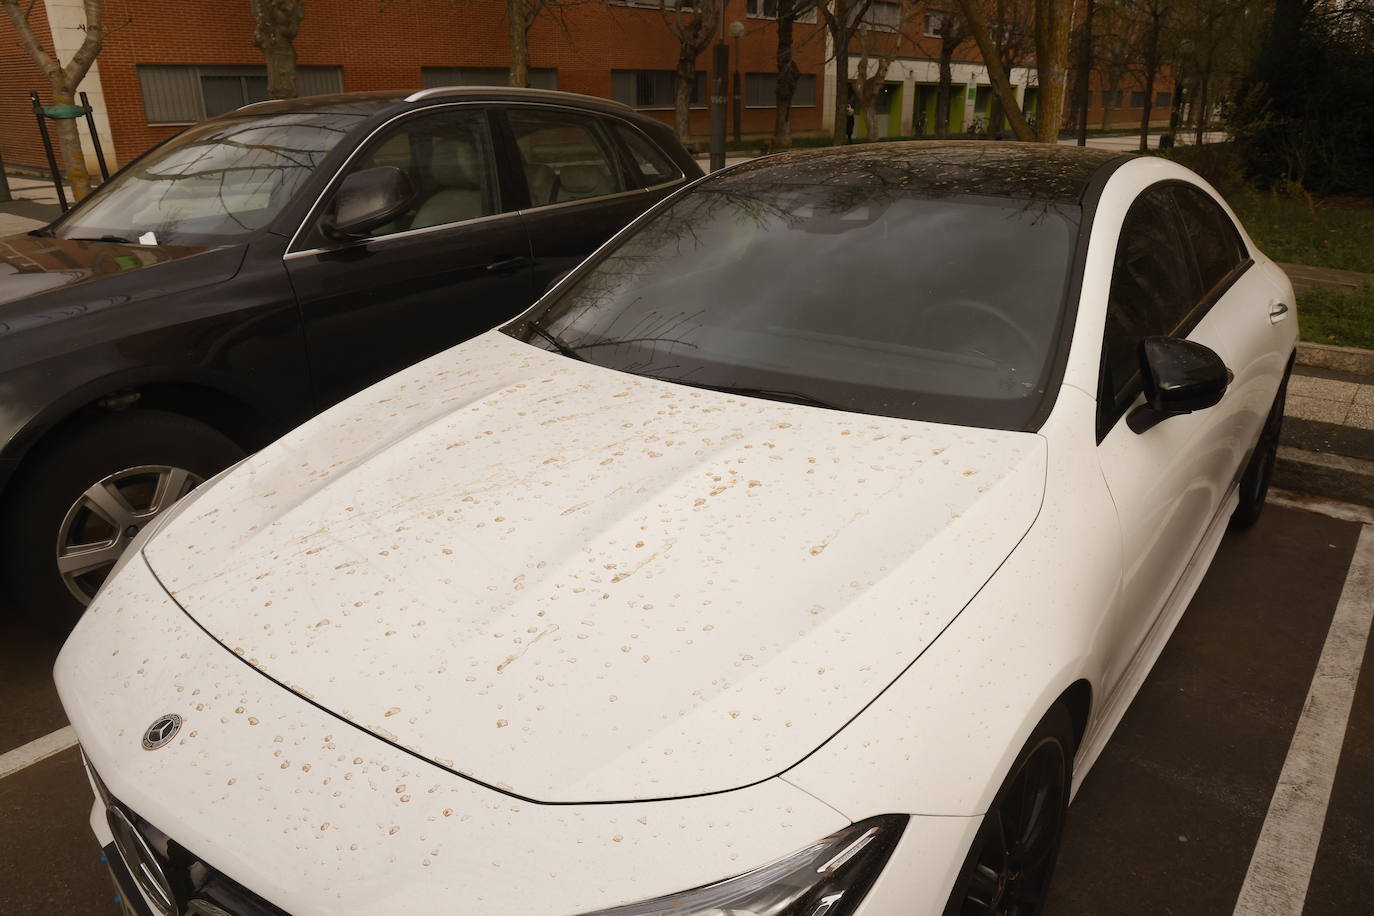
x,y
867,297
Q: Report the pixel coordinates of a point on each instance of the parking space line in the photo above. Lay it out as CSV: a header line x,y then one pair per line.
x,y
1281,866
37,750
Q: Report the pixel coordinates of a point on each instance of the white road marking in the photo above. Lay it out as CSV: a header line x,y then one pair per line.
x,y
1281,867
1345,511
36,750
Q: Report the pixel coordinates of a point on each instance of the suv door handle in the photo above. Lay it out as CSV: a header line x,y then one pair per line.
x,y
506,265
1277,311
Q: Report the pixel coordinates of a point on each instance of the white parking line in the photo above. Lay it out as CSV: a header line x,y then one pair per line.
x,y
1281,867
36,750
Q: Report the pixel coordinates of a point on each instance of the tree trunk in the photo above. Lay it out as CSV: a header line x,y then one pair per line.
x,y
1052,21
1085,66
997,73
517,28
871,115
275,26
64,82
685,77
788,76
942,91
839,136
1151,70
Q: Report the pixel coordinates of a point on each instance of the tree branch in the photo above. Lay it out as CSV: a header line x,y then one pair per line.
x,y
978,25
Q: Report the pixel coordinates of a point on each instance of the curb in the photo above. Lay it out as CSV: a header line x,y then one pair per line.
x,y
1343,359
1329,476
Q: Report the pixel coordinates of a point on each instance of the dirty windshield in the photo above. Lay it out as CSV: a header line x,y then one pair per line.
x,y
866,296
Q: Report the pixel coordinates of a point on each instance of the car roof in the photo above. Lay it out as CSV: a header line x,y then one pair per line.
x,y
984,168
366,103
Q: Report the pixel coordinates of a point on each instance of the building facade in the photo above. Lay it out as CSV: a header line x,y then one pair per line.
x,y
166,66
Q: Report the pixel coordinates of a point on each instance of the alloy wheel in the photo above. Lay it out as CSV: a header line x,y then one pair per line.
x,y
1011,870
98,527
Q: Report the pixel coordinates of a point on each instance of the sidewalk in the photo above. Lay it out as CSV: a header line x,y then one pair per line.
x,y
1328,426
34,205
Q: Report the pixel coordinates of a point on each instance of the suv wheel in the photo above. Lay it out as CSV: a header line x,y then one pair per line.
x,y
82,497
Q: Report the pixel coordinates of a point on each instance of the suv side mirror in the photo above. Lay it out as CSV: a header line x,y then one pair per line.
x,y
1180,377
367,199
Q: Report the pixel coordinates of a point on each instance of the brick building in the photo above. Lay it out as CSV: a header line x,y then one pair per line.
x,y
164,66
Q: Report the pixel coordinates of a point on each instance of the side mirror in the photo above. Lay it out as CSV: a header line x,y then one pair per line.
x,y
366,200
1180,377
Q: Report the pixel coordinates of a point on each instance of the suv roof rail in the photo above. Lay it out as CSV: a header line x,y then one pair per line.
x,y
438,92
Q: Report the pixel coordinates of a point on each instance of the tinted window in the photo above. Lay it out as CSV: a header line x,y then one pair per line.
x,y
447,155
653,165
563,157
867,296
1152,292
1216,245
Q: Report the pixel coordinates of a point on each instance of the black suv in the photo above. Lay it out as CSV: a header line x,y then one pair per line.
x,y
264,265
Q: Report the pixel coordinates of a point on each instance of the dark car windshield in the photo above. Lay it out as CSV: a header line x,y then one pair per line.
x,y
869,297
214,184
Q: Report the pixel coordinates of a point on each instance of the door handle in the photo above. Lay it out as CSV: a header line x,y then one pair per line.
x,y
506,265
1277,311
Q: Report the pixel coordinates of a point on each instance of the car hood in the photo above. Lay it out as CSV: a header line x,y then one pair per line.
x,y
37,266
577,585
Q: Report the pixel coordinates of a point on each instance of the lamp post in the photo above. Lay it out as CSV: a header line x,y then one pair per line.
x,y
737,32
720,80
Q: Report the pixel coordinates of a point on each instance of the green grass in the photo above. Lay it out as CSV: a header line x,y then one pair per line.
x,y
1330,316
1335,233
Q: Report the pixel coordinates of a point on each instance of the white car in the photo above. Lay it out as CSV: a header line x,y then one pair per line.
x,y
796,554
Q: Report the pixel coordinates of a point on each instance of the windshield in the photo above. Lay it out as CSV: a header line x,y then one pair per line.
x,y
214,184
868,297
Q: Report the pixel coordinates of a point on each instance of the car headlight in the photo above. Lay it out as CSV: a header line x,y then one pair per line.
x,y
828,878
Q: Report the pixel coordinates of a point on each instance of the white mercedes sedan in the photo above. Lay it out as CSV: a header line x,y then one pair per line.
x,y
795,555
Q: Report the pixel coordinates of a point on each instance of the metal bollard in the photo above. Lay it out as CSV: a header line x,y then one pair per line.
x,y
47,147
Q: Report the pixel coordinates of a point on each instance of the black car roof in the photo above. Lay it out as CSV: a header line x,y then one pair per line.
x,y
367,103
1037,171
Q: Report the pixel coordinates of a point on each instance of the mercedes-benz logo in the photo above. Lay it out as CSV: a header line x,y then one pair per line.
x,y
163,729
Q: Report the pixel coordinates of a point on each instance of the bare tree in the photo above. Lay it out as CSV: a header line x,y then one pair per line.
x,y
693,23
64,81
953,31
1152,19
842,19
1114,42
789,75
1013,32
275,26
1001,85
1053,19
879,46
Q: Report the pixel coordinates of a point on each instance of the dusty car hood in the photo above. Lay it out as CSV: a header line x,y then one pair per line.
x,y
574,584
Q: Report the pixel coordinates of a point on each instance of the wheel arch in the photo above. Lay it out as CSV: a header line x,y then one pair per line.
x,y
248,424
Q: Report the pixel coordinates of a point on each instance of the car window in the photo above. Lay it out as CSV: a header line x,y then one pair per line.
x,y
563,158
1153,292
653,165
1216,245
447,155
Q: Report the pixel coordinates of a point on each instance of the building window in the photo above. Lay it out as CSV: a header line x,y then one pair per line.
x,y
935,24
185,95
803,10
654,88
884,15
1137,100
761,91
434,77
1163,99
1111,98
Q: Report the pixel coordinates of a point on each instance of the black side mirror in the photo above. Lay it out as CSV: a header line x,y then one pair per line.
x,y
366,200
1180,377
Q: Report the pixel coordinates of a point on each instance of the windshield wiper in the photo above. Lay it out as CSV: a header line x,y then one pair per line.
x,y
554,339
103,238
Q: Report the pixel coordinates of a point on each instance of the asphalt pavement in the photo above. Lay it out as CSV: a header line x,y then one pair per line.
x,y
1167,822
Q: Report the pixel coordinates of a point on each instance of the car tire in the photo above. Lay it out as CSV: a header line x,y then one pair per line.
x,y
1259,471
142,459
1009,866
